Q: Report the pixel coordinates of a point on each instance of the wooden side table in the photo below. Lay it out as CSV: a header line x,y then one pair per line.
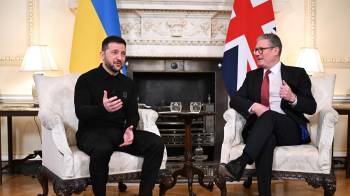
x,y
188,170
344,109
10,110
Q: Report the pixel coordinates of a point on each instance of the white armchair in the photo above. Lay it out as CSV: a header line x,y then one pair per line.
x,y
62,161
312,162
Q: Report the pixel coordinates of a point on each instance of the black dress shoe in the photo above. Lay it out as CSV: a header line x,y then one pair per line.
x,y
223,172
236,168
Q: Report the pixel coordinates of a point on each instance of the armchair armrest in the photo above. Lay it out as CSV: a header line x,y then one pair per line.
x,y
148,118
232,133
53,124
325,135
147,122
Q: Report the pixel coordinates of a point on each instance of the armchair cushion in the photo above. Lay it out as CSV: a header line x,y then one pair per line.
x,y
120,163
299,158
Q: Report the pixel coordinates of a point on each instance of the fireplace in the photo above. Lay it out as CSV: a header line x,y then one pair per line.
x,y
158,89
161,81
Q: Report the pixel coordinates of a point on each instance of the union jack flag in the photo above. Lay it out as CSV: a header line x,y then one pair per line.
x,y
249,19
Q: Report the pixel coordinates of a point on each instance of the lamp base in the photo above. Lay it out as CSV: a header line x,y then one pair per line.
x,y
35,96
34,91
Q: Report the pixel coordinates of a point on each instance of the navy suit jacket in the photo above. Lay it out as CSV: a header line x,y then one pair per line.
x,y
298,81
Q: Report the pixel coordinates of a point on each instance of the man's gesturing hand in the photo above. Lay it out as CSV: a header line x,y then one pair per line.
x,y
128,136
111,104
286,93
259,109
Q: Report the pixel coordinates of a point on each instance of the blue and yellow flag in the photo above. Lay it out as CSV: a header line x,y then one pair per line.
x,y
95,20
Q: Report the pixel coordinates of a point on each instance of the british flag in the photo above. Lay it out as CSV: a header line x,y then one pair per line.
x,y
249,19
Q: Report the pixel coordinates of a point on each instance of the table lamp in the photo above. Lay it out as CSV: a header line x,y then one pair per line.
x,y
310,60
37,59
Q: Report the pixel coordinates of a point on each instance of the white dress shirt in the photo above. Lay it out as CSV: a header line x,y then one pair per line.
x,y
275,82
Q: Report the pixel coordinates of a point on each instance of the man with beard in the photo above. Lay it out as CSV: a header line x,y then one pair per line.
x,y
273,99
106,106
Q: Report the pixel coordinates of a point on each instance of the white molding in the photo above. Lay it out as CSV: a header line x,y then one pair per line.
x,y
31,5
175,4
175,51
167,4
16,99
176,42
174,33
32,18
341,98
34,21
345,60
11,60
339,154
310,23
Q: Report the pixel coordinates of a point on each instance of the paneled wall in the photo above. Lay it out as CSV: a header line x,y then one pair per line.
x,y
324,23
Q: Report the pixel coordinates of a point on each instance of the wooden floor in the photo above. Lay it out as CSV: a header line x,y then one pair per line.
x,y
27,185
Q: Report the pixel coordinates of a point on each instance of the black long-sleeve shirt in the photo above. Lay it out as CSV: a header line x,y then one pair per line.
x,y
88,98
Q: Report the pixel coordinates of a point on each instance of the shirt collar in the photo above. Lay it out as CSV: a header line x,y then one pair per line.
x,y
105,74
276,68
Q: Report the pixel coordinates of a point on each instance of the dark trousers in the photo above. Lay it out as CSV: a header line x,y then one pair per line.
x,y
269,130
100,144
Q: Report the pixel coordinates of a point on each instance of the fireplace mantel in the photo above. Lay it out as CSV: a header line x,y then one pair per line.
x,y
174,33
175,28
176,4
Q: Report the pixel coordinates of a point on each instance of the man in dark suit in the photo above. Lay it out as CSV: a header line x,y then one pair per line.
x,y
273,99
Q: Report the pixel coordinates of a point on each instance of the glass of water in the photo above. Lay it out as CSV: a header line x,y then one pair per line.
x,y
175,106
195,107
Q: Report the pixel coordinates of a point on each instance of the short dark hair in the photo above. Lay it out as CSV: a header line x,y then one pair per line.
x,y
274,40
111,39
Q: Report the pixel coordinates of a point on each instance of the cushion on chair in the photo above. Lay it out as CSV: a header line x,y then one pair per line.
x,y
300,158
120,163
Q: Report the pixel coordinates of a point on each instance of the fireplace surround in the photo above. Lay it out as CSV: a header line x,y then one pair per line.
x,y
160,81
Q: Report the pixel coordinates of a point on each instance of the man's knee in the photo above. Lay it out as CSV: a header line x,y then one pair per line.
x,y
102,149
158,143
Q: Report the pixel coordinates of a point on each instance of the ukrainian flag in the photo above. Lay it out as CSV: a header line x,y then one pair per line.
x,y
95,20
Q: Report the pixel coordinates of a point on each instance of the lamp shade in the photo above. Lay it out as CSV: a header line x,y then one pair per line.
x,y
310,60
38,58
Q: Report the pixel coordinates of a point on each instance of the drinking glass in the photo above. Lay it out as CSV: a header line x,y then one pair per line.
x,y
195,107
175,106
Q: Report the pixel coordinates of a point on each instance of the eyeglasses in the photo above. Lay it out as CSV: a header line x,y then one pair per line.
x,y
260,50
